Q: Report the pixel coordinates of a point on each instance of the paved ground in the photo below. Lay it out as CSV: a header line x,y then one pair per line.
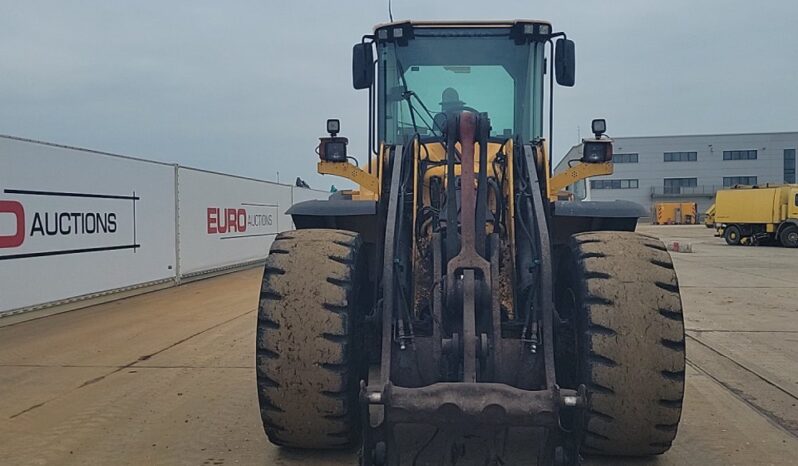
x,y
167,378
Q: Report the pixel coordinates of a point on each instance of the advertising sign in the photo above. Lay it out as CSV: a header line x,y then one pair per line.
x,y
76,222
227,220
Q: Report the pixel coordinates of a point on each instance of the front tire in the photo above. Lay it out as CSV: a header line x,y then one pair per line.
x,y
310,357
619,304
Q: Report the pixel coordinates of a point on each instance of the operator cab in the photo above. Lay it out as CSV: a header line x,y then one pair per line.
x,y
428,70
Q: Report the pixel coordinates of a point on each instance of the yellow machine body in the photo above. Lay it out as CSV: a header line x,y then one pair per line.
x,y
674,213
769,206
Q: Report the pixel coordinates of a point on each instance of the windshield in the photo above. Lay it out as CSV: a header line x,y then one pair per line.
x,y
442,70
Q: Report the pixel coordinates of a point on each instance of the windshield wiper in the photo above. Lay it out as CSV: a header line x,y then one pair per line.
x,y
407,96
434,125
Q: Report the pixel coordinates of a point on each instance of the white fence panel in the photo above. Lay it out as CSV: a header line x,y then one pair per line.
x,y
76,222
226,220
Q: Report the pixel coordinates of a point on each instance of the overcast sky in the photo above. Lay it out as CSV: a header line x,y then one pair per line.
x,y
245,86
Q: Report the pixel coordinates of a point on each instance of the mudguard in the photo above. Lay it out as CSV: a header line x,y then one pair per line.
x,y
333,208
572,217
604,209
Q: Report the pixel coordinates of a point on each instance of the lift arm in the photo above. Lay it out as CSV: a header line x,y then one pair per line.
x,y
367,181
580,171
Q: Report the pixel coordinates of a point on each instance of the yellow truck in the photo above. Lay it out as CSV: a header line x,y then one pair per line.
x,y
674,213
756,214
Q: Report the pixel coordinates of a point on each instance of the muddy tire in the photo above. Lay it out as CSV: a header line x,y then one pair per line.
x,y
622,336
309,352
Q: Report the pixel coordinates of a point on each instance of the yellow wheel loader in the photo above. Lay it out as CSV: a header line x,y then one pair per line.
x,y
452,289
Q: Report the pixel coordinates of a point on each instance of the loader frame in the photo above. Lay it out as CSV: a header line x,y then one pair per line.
x,y
502,380
510,363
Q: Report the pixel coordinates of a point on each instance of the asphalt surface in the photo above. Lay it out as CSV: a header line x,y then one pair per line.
x,y
167,377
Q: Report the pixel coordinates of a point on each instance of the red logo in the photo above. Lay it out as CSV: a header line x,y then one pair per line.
x,y
14,208
226,220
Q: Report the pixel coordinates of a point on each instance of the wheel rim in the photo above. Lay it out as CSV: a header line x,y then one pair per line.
x,y
732,235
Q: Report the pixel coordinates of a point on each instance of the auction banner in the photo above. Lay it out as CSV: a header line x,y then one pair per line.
x,y
226,220
75,222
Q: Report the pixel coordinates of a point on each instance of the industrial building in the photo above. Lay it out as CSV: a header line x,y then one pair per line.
x,y
690,168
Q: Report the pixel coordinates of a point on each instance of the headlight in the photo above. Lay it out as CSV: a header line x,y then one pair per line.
x,y
334,151
597,152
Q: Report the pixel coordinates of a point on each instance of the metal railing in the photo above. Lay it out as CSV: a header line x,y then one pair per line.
x,y
685,191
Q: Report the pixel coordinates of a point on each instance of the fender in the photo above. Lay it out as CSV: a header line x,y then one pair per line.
x,y
603,209
333,208
571,217
784,224
359,216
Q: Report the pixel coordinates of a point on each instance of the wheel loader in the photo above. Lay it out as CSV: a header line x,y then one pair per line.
x,y
453,291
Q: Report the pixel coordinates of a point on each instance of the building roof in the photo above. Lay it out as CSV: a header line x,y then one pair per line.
x,y
771,133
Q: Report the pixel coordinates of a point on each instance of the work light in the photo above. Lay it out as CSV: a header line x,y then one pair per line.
x,y
333,126
599,127
333,148
597,151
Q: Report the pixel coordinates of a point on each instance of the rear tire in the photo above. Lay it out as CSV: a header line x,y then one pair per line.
x,y
789,237
733,235
619,304
310,357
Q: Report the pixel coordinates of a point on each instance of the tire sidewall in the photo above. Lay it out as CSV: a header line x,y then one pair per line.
x,y
788,235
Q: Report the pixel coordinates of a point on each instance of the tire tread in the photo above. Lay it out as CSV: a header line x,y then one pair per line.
x,y
634,343
307,369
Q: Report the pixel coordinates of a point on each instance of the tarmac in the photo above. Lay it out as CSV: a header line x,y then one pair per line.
x,y
168,378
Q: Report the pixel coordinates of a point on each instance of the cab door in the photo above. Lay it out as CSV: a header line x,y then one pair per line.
x,y
792,204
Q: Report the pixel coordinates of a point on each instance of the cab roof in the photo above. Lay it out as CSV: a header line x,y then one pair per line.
x,y
462,23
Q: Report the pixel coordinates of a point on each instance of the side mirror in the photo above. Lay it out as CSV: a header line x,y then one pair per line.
x,y
565,62
362,66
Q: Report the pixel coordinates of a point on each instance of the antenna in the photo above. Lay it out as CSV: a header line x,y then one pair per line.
x,y
390,12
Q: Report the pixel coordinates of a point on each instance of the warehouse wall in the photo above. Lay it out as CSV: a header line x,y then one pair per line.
x,y
76,224
709,167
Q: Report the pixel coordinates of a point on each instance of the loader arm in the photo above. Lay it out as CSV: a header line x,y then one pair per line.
x,y
578,172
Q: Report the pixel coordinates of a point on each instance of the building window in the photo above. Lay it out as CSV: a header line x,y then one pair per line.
x,y
735,180
675,185
614,184
739,155
789,165
624,158
681,156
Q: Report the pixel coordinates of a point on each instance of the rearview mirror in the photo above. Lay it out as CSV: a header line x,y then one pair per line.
x,y
565,62
362,66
